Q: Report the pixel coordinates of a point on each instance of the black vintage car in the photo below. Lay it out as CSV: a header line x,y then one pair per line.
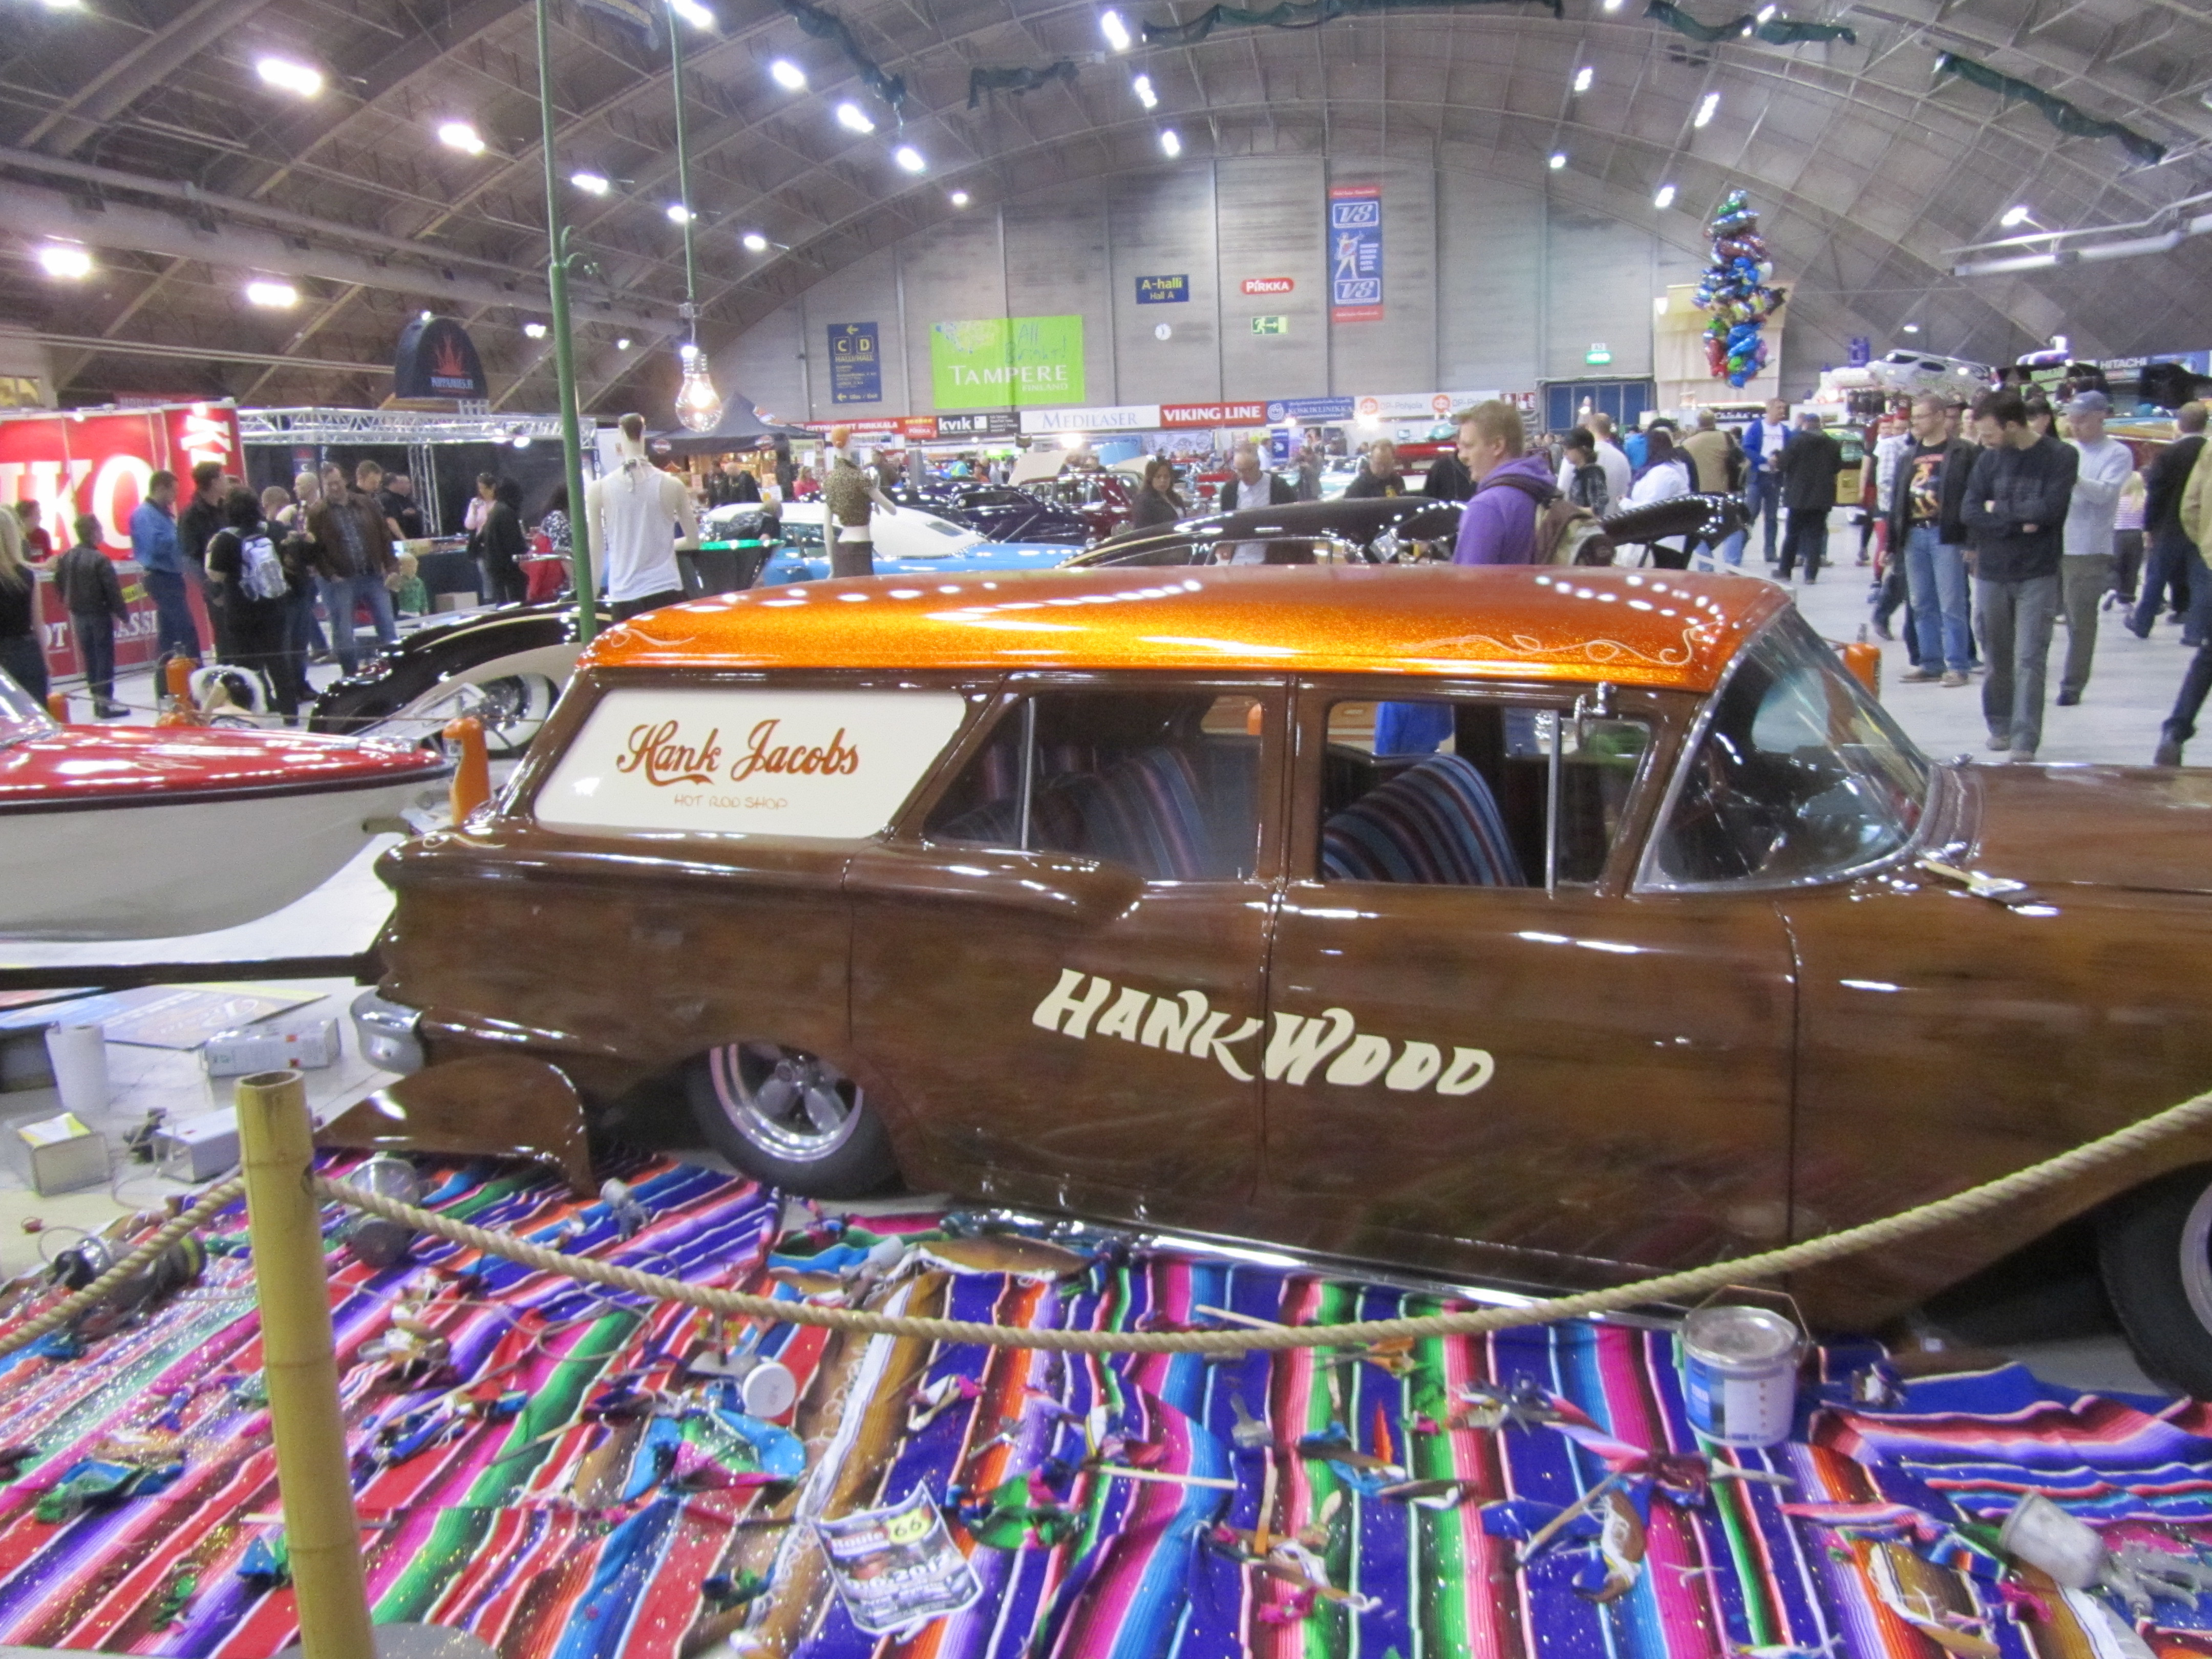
x,y
1378,530
507,667
998,513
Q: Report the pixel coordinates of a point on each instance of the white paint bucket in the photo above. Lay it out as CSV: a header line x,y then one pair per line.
x,y
1740,1374
2044,1536
78,1054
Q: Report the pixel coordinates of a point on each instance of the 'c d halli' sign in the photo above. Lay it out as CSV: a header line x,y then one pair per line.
x,y
833,765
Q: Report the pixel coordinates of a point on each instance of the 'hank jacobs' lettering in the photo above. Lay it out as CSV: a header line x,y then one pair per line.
x,y
1184,1023
660,754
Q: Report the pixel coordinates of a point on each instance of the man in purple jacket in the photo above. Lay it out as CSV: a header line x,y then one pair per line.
x,y
1498,527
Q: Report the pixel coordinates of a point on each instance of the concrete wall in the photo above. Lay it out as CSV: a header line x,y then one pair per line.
x,y
1485,284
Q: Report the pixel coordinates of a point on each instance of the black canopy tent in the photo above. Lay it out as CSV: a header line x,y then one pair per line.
x,y
740,428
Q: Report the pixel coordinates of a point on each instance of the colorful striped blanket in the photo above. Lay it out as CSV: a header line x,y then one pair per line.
x,y
546,1466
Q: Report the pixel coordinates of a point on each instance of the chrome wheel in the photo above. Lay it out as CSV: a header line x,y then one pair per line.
x,y
2197,1258
512,708
790,1104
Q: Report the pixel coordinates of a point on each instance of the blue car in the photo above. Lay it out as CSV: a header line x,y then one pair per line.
x,y
909,543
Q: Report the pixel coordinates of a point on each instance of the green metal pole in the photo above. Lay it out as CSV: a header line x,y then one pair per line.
x,y
564,345
682,166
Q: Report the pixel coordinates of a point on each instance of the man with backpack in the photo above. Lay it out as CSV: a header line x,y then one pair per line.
x,y
1518,515
242,565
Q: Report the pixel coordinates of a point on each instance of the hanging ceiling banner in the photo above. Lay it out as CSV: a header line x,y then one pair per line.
x,y
856,366
1355,253
437,359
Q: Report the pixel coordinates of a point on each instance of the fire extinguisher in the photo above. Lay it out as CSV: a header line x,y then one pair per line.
x,y
1863,657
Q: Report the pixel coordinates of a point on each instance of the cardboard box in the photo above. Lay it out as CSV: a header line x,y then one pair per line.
x,y
57,1154
199,1147
466,601
305,1045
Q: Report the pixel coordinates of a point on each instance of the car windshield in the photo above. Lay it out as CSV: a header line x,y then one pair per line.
x,y
21,717
1800,774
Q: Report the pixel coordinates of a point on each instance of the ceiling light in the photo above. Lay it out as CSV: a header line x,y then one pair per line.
x,y
692,13
753,242
461,135
1171,141
301,80
854,118
1142,86
1583,77
2018,214
65,261
678,214
910,158
787,74
1767,13
61,5
1613,5
426,316
276,296
623,344
1116,31
1665,198
1912,328
534,331
1706,106
1559,160
958,198
590,183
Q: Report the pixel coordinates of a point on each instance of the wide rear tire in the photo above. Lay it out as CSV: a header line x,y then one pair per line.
x,y
790,1119
2155,1251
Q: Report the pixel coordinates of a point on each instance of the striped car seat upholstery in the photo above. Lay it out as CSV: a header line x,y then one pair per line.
x,y
1437,823
1145,814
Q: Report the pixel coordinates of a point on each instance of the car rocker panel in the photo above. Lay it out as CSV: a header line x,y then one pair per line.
x,y
1558,926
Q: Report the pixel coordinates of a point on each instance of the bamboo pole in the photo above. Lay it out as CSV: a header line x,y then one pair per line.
x,y
277,1140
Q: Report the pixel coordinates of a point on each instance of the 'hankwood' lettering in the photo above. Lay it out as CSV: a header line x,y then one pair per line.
x,y
1186,1024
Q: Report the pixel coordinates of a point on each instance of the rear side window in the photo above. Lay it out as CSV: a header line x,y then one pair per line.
x,y
751,760
1164,781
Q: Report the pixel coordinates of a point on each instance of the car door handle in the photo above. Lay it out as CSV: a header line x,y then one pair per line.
x,y
1087,891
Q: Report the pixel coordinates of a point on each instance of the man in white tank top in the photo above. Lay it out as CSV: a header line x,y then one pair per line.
x,y
634,512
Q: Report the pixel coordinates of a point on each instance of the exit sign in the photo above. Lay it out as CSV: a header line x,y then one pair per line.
x,y
1598,355
1271,326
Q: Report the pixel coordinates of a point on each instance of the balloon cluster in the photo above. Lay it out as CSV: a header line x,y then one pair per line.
x,y
1734,290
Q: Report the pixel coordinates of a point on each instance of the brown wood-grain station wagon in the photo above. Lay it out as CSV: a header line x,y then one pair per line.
x,y
1556,926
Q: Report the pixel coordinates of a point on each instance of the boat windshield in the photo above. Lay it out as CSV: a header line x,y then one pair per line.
x,y
21,717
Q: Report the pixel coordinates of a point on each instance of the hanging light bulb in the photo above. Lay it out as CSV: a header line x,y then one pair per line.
x,y
698,405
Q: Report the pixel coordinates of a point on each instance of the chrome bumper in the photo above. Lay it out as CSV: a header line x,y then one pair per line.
x,y
388,1033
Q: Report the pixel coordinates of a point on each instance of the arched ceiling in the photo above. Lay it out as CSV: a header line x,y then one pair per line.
x,y
141,127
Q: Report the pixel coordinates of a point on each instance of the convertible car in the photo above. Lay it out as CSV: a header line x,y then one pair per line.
x,y
911,541
999,512
1552,925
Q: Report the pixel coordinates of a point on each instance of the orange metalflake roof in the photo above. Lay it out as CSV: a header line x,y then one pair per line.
x,y
1656,628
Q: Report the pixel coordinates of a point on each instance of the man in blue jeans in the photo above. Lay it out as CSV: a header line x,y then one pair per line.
x,y
1927,498
153,545
353,552
1763,444
2173,559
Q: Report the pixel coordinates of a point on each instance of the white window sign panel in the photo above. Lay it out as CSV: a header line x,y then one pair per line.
x,y
1121,417
830,764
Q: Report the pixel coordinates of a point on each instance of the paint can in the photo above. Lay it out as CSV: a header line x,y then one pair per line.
x,y
2044,1536
374,1241
1740,1373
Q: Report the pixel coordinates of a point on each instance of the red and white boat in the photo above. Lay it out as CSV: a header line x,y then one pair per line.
x,y
149,832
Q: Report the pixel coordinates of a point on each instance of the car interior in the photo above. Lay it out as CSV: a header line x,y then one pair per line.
x,y
1164,782
1454,792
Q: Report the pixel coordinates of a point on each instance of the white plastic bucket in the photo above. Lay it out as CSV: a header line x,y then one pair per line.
x,y
78,1054
1740,1374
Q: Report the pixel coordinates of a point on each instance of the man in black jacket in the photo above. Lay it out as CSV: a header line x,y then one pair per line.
x,y
1250,486
1928,528
1810,463
197,520
1378,473
2172,559
2017,498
